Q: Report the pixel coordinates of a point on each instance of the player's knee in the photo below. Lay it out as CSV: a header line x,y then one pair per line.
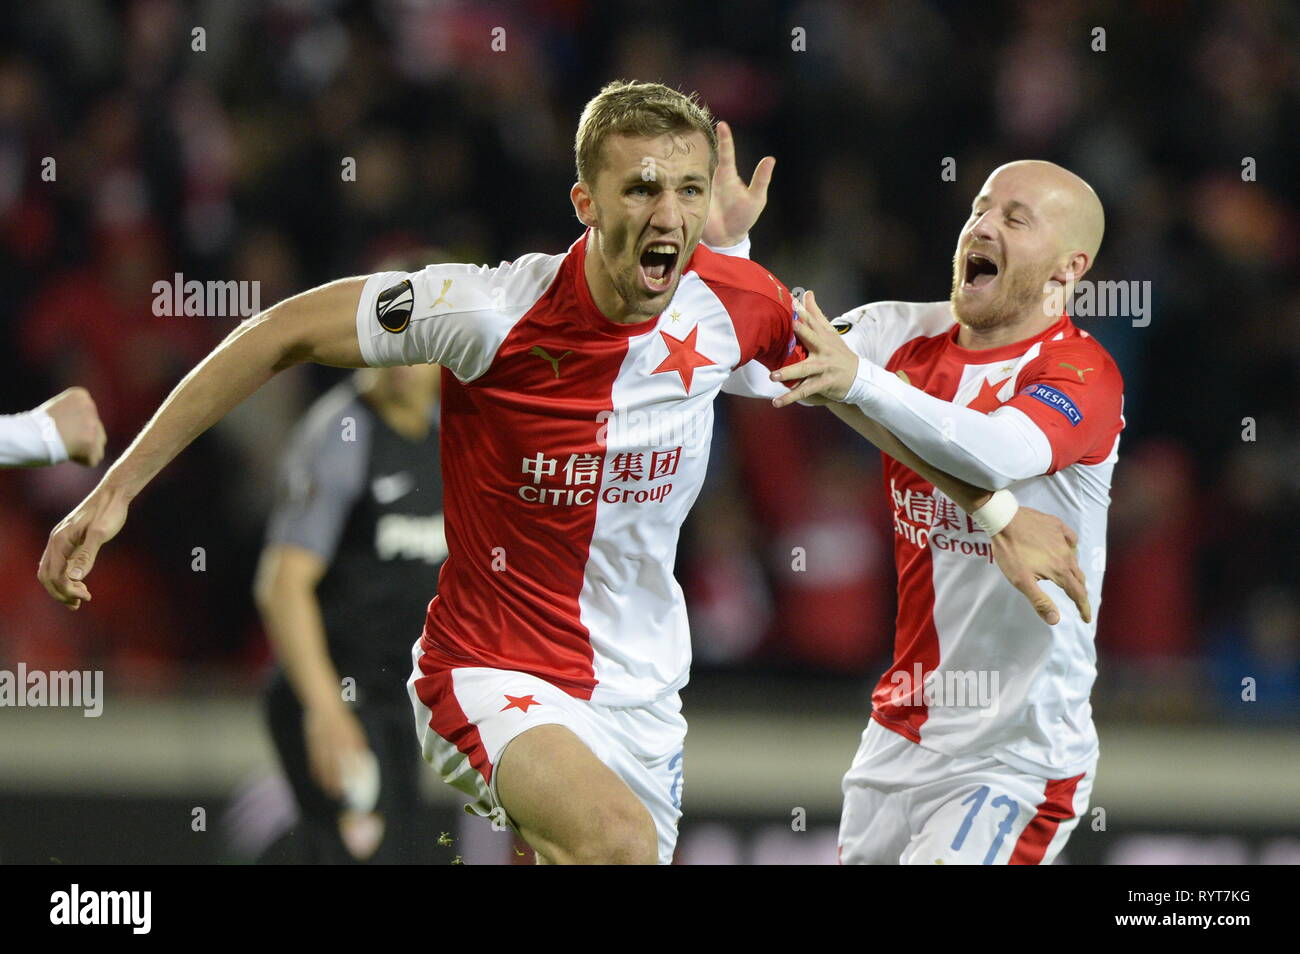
x,y
619,835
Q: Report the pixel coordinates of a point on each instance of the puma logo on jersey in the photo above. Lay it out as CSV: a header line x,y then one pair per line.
x,y
393,487
540,352
442,295
1079,371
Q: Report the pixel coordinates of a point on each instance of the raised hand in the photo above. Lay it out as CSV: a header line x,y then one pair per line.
x,y
734,207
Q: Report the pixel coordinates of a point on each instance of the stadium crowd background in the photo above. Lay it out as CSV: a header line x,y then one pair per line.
x,y
226,164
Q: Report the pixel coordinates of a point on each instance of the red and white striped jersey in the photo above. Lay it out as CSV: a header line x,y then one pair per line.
x,y
975,670
572,450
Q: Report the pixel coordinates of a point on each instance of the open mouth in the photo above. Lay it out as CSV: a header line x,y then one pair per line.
x,y
658,262
980,271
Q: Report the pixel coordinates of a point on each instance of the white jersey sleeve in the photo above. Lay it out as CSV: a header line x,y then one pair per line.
x,y
991,451
453,315
31,438
753,379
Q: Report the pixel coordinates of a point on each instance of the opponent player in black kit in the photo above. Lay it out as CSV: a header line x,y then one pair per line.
x,y
352,554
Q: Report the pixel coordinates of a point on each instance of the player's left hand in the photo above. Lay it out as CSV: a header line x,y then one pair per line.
x,y
1037,546
830,367
734,207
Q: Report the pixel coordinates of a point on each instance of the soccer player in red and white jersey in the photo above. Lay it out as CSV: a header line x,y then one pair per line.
x,y
981,748
576,418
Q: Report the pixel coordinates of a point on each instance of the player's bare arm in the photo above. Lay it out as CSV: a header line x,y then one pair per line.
x,y
317,325
285,593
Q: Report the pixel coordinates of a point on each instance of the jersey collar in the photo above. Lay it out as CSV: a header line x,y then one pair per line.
x,y
1013,350
592,316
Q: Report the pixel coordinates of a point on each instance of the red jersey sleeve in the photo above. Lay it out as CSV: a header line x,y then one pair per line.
x,y
761,308
1074,393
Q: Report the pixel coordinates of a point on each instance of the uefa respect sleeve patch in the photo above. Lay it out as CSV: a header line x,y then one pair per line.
x,y
1055,400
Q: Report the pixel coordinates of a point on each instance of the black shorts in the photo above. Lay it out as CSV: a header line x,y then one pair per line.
x,y
387,724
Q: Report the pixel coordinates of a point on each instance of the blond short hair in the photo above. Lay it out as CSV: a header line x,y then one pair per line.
x,y
638,109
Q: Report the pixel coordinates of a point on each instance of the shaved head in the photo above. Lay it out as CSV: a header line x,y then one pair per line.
x,y
1063,199
1034,230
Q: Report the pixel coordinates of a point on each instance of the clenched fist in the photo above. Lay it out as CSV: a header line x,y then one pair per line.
x,y
74,414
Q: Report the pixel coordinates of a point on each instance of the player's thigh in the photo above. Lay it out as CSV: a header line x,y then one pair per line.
x,y
874,827
874,823
568,804
995,818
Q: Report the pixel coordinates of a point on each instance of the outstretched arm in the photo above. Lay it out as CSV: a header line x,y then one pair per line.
x,y
318,325
987,450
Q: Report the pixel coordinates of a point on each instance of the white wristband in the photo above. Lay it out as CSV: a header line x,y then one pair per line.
x,y
994,516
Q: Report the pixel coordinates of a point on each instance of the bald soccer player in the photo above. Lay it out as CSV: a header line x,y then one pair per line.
x,y
981,748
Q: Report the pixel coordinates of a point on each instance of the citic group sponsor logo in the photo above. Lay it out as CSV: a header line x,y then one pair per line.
x,y
932,520
635,477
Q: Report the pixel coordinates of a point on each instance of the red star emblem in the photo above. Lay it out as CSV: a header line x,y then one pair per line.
x,y
519,702
682,357
987,399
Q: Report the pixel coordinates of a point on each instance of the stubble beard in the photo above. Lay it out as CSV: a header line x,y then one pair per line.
x,y
1021,294
629,289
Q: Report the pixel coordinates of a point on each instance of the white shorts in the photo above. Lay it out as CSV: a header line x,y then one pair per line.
x,y
466,717
905,804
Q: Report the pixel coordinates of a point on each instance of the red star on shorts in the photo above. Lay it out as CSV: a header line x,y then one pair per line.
x,y
519,702
682,357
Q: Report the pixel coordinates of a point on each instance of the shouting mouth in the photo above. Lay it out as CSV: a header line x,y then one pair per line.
x,y
980,271
657,266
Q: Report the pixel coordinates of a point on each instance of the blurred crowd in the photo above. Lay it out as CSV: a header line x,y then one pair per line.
x,y
219,154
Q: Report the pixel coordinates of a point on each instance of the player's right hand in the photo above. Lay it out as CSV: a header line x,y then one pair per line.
x,y
77,419
1037,546
333,733
734,204
74,543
